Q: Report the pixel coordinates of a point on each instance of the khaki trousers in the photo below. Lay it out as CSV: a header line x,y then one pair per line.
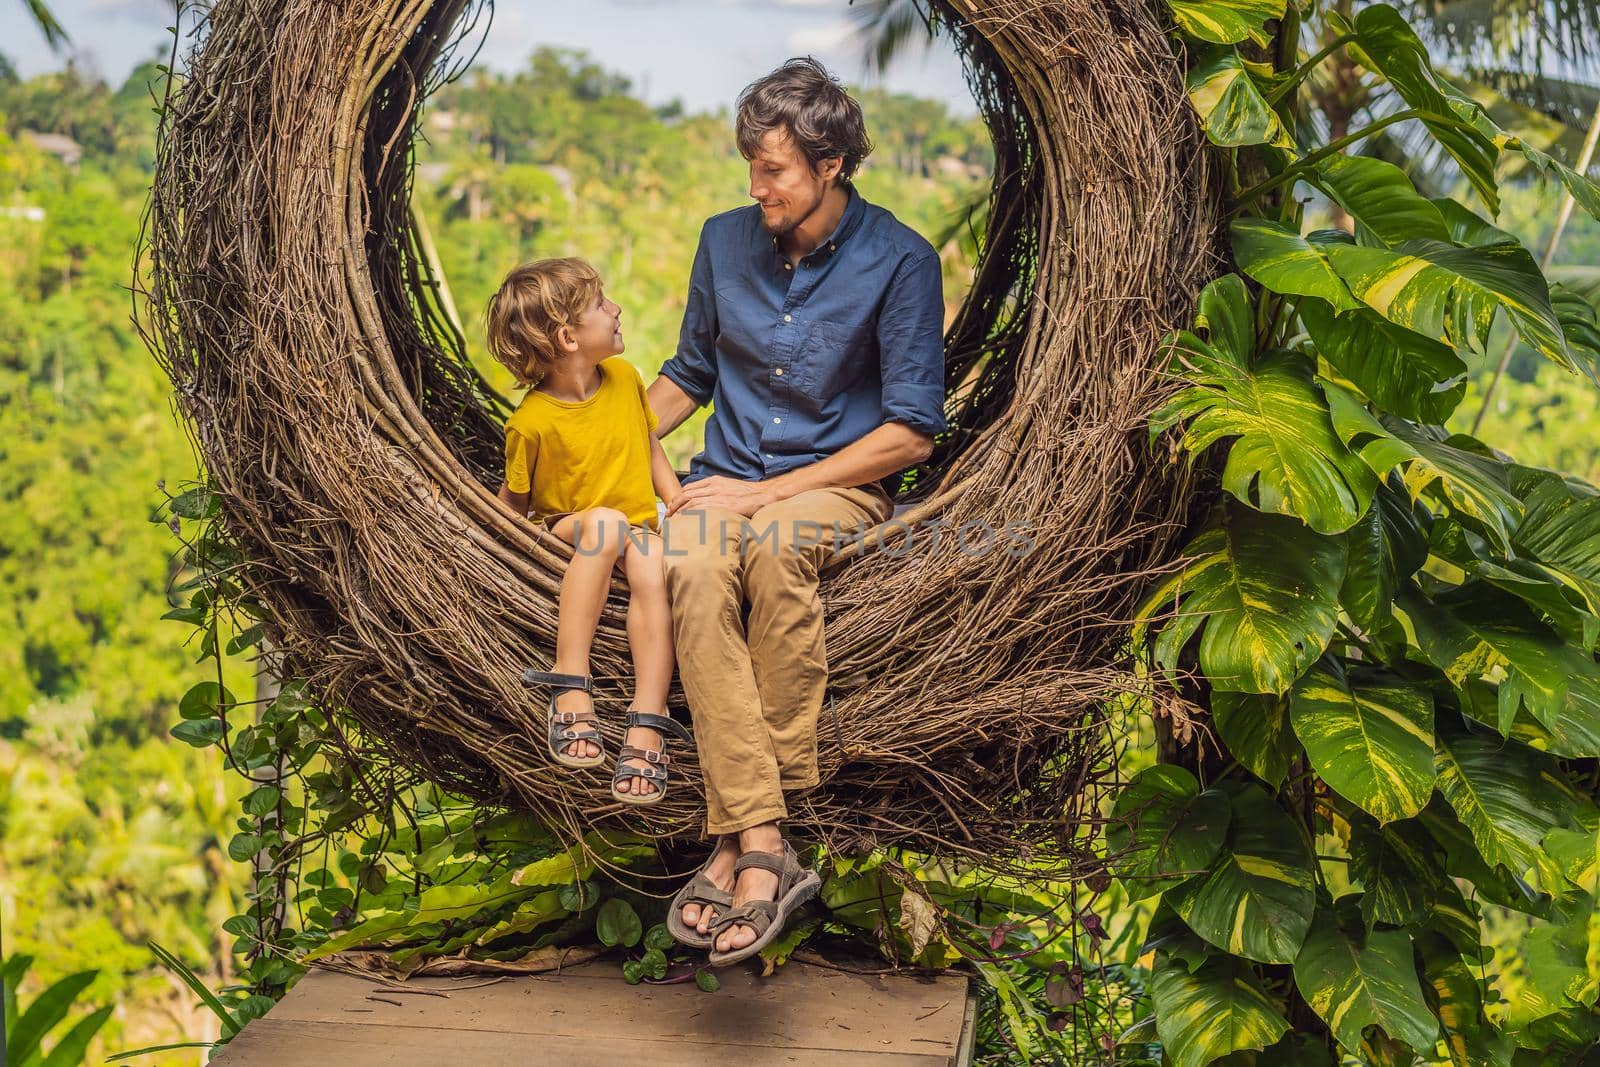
x,y
755,684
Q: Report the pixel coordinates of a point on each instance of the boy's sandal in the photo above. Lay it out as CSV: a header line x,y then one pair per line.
x,y
656,759
564,724
699,890
767,918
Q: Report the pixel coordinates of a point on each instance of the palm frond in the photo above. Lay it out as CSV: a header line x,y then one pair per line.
x,y
885,28
54,33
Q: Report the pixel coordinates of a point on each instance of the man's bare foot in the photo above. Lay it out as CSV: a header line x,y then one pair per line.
x,y
645,738
720,871
753,883
579,701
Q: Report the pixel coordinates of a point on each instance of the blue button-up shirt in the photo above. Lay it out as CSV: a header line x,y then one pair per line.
x,y
801,360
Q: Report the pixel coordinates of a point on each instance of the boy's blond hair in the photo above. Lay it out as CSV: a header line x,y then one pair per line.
x,y
534,301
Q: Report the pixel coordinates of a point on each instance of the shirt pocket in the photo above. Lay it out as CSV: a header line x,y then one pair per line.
x,y
836,357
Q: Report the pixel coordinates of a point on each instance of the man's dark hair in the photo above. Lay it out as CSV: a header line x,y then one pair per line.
x,y
802,97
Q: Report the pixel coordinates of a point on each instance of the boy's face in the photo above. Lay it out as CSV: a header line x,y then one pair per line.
x,y
598,332
783,182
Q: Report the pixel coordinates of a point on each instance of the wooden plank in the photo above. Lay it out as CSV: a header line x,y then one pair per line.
x,y
803,1015
269,1042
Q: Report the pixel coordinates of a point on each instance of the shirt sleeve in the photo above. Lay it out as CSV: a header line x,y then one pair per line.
x,y
519,465
644,401
911,345
694,366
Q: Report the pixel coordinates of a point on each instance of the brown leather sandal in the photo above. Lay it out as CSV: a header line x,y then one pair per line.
x,y
562,731
699,890
655,759
767,918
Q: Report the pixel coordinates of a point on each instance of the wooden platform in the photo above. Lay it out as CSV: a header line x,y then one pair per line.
x,y
803,1015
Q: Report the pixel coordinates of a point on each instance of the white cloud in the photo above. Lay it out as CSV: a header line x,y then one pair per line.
x,y
823,37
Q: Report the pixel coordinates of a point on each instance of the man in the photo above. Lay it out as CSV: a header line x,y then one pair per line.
x,y
814,325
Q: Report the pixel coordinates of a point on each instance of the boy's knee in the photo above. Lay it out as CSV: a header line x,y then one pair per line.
x,y
601,531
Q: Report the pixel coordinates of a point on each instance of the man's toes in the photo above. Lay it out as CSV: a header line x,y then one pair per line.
x,y
691,914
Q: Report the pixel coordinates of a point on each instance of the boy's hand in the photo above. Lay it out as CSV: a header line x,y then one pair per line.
x,y
731,494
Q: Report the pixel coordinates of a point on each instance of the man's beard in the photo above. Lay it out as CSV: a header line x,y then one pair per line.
x,y
789,222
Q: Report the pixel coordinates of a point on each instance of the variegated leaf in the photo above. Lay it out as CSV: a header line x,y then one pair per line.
x,y
1225,21
1255,731
1284,261
1229,103
1165,829
1258,897
1265,591
1450,294
1508,796
1216,1010
1370,737
1354,979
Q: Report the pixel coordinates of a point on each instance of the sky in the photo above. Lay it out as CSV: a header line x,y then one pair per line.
x,y
701,51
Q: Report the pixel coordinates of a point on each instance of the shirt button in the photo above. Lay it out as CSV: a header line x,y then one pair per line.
x,y
776,419
788,266
787,318
779,372
769,455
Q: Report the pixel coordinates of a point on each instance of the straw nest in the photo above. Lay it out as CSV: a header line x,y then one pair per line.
x,y
357,452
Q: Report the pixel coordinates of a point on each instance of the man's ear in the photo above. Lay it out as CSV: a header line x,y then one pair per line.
x,y
828,169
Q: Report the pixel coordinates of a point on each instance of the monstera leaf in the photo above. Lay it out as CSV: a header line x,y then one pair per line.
x,y
1256,900
1284,261
1381,196
1450,294
1285,456
1507,795
1265,591
1225,21
1401,371
1473,486
1255,731
1475,632
1354,979
1370,737
1216,1010
1229,103
1165,829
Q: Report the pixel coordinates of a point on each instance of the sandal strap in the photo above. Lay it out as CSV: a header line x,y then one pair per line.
x,y
666,724
654,774
574,716
531,678
578,735
756,914
649,755
702,890
778,865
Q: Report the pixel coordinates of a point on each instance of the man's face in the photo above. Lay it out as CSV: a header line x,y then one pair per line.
x,y
784,183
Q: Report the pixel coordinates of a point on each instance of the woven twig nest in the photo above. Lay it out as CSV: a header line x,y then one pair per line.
x,y
357,452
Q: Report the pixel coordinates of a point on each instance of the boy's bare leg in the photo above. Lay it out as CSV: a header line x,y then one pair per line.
x,y
650,642
596,537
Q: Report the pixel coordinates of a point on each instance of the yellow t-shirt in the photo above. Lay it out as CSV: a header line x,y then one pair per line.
x,y
576,455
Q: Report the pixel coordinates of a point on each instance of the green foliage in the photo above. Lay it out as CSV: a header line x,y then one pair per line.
x,y
1394,623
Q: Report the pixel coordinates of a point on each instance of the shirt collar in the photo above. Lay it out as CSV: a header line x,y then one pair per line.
x,y
854,209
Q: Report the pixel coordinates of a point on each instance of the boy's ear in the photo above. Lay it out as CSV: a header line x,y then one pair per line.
x,y
565,340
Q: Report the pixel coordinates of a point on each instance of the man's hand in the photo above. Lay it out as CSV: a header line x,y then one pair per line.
x,y
715,491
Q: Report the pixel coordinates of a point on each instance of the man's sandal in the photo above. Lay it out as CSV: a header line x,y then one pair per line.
x,y
699,890
656,759
563,724
767,918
